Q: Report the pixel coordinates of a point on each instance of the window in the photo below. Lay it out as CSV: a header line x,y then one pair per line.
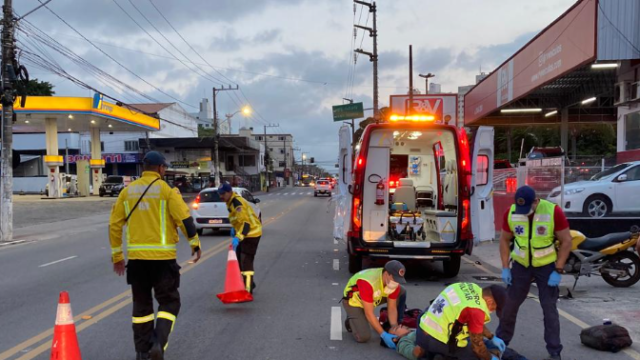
x,y
229,165
632,131
270,149
210,196
131,146
633,174
482,170
247,196
281,138
282,164
101,145
259,138
281,151
247,160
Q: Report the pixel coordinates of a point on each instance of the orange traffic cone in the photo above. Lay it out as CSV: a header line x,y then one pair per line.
x,y
234,289
65,342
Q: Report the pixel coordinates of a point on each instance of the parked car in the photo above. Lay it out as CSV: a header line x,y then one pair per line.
x,y
113,185
499,164
612,191
323,186
210,212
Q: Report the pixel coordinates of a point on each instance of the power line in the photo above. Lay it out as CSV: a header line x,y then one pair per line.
x,y
115,60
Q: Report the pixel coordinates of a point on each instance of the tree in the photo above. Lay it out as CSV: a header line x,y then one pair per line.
x,y
39,88
363,124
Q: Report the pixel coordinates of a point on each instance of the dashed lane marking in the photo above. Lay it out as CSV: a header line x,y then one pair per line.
x,y
336,264
336,323
58,261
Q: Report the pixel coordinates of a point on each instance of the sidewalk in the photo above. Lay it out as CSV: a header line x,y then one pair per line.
x,y
31,210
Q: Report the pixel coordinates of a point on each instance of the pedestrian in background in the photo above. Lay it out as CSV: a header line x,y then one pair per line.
x,y
533,224
151,211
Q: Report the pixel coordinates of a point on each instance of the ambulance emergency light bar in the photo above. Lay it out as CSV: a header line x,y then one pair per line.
x,y
412,118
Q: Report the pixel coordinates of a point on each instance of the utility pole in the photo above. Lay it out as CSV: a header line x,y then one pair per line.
x,y
267,157
216,133
286,180
66,156
373,57
9,64
426,81
410,81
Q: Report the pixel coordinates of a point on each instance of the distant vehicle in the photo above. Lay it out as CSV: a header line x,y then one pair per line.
x,y
210,212
612,191
113,185
499,164
323,186
418,191
545,152
308,181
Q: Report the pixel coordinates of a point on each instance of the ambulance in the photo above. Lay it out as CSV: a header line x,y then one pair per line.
x,y
416,189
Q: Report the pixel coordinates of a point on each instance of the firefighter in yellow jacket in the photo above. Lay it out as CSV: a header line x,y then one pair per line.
x,y
246,232
150,212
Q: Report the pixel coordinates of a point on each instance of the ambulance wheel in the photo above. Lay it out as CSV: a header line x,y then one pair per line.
x,y
451,267
355,263
199,232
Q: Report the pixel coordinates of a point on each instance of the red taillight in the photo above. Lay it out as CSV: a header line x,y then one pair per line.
x,y
465,185
360,161
357,214
392,184
196,203
465,214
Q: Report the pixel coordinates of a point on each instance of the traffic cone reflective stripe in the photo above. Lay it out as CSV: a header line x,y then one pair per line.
x,y
234,288
65,342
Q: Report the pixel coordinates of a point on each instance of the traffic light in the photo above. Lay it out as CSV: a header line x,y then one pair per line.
x,y
312,160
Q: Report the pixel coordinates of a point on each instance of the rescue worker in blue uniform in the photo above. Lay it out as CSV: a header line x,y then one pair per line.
x,y
531,223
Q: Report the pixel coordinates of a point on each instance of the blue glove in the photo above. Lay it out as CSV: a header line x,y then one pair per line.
x,y
235,242
493,357
388,340
499,343
554,279
506,276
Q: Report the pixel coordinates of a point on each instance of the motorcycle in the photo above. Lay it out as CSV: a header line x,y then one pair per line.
x,y
610,256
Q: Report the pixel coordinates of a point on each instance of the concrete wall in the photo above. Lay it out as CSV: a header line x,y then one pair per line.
x,y
32,185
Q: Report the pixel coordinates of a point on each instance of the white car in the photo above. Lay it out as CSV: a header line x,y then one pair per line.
x,y
210,212
612,191
323,186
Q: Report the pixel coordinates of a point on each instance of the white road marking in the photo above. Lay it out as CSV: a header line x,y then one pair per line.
x,y
57,261
286,193
310,193
335,241
336,323
336,264
335,284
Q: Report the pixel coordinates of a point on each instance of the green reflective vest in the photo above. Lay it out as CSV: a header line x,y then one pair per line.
x,y
374,278
534,247
441,316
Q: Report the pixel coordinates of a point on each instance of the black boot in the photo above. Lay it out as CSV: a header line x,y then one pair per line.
x,y
156,352
143,356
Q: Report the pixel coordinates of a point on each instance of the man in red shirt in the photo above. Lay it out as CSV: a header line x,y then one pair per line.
x,y
528,236
367,290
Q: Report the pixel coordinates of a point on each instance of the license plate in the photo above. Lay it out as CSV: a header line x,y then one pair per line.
x,y
108,191
215,221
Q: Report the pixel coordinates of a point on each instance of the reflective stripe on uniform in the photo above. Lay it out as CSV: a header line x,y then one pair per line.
x,y
127,211
167,316
151,247
143,319
543,252
163,225
432,324
115,250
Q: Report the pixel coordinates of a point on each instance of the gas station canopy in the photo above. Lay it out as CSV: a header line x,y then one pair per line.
x,y
79,114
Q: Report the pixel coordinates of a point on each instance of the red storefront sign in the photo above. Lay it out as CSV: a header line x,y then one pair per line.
x,y
566,44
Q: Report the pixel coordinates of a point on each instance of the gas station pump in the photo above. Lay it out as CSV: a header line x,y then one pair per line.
x,y
54,162
96,166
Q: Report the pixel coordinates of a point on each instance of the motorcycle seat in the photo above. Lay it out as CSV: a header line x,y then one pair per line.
x,y
603,242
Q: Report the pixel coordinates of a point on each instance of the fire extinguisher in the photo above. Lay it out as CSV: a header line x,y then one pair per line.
x,y
380,192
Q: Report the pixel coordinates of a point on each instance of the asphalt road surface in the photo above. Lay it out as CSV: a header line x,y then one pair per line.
x,y
300,273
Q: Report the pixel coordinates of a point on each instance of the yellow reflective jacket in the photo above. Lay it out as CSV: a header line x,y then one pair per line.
x,y
151,231
243,219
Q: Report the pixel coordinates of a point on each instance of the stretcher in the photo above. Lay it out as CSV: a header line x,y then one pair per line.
x,y
406,225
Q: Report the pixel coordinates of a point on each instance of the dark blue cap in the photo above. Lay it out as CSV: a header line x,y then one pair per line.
x,y
155,158
525,196
225,188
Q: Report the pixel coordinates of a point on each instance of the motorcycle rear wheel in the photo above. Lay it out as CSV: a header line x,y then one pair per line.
x,y
624,259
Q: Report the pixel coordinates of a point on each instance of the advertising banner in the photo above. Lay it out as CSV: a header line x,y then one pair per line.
x,y
123,158
567,44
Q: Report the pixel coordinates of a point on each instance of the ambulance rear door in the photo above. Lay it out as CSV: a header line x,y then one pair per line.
x,y
482,215
341,220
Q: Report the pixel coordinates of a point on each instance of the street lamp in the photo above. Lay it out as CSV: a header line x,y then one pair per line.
x,y
246,111
426,81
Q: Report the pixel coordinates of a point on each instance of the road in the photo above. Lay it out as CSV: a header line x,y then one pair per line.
x,y
300,273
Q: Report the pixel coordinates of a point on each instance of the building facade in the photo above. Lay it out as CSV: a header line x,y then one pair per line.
x,y
280,153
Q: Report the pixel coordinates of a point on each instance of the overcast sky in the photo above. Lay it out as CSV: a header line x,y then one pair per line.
x,y
292,58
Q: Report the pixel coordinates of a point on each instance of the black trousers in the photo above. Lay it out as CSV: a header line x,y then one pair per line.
x,y
163,278
246,252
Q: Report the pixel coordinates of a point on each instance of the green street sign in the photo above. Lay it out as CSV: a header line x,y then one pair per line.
x,y
348,111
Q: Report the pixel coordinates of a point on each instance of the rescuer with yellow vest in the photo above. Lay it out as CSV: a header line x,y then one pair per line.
x,y
454,325
367,290
533,224
150,212
246,231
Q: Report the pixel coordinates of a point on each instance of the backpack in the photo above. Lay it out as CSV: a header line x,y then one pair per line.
x,y
606,337
410,318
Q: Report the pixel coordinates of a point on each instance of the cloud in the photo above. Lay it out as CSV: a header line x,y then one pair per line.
x,y
230,41
492,55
